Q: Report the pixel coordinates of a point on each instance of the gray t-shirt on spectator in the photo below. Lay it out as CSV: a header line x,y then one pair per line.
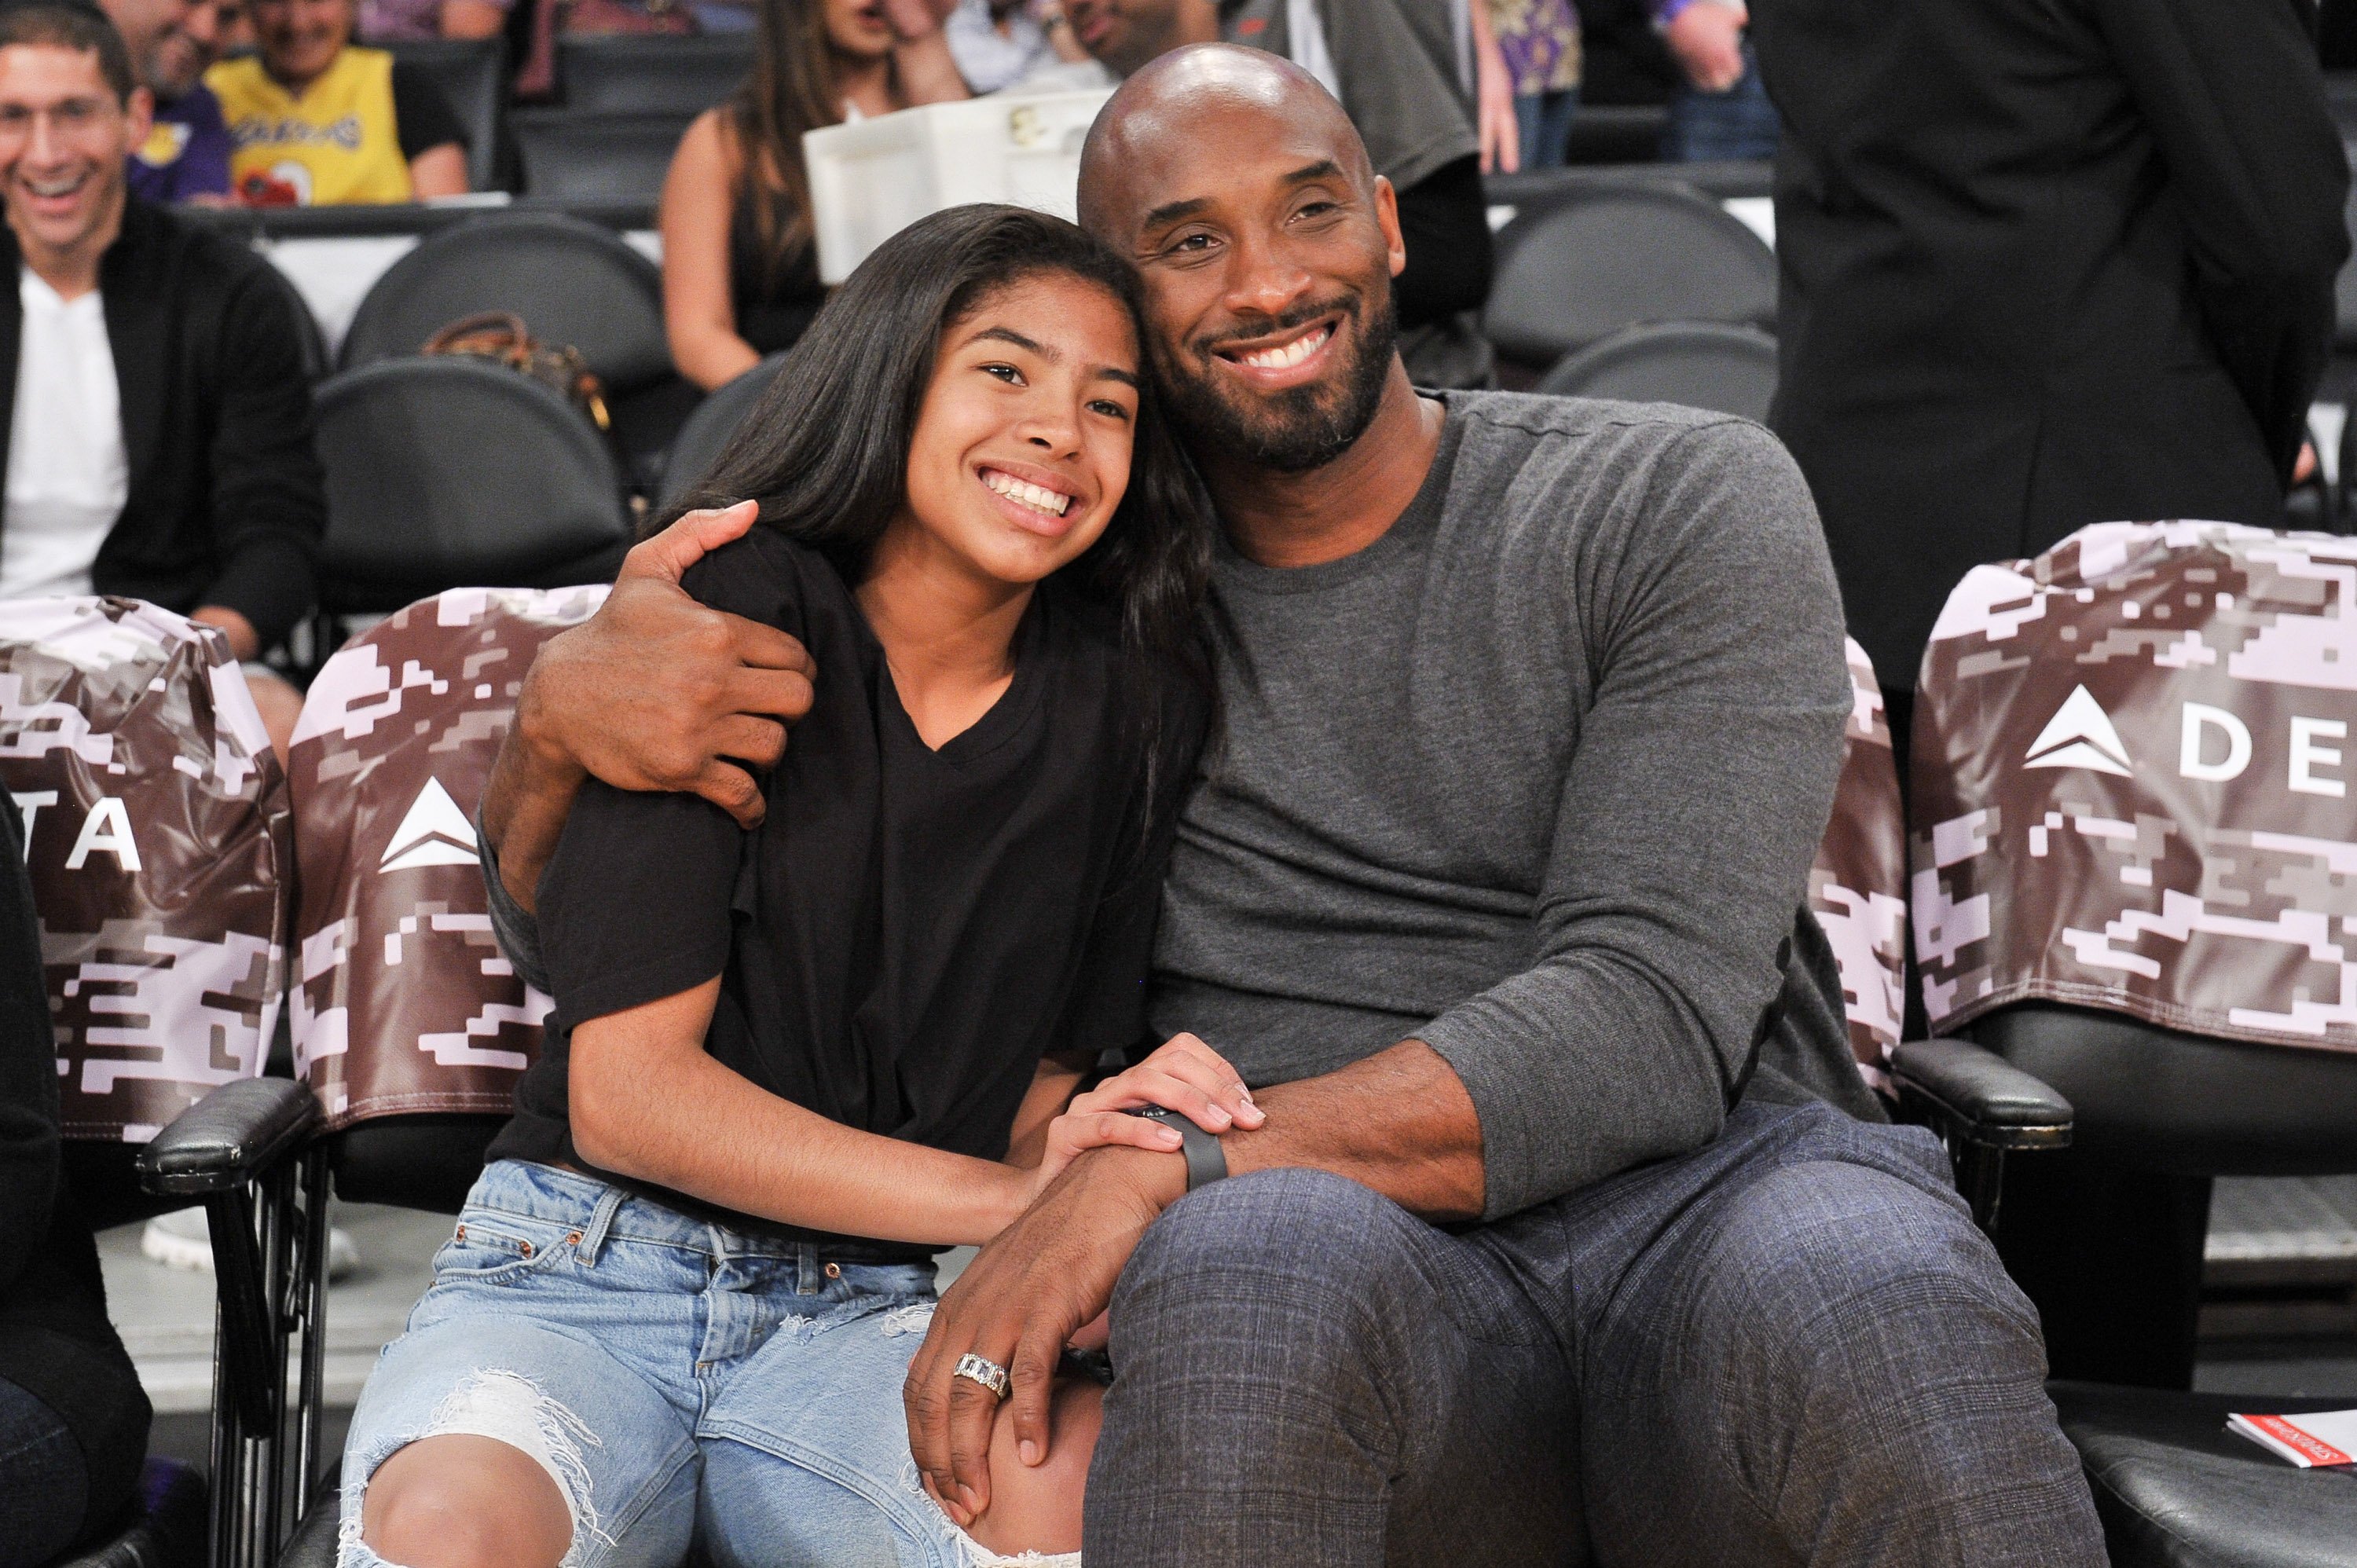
x,y
1396,69
1535,777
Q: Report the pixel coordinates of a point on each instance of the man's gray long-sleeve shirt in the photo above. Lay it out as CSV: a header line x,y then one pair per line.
x,y
1535,777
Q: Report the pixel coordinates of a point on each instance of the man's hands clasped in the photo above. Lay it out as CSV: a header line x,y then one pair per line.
x,y
1021,1301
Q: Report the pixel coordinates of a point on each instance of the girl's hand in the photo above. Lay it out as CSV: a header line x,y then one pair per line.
x,y
1185,1075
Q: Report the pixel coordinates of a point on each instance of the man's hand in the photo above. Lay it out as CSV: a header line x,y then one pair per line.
x,y
916,18
1707,39
245,642
1017,1303
656,692
1493,94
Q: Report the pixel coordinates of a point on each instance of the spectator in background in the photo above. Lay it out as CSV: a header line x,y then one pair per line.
x,y
152,381
318,121
73,1420
407,21
1722,110
185,155
1395,65
741,264
1539,42
1000,43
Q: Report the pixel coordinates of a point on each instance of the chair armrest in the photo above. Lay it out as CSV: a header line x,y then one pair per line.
x,y
1977,1095
229,1137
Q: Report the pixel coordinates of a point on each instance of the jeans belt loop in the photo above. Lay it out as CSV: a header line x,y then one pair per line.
x,y
808,1280
601,1220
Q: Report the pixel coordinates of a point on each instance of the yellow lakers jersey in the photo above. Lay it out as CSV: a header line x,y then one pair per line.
x,y
335,143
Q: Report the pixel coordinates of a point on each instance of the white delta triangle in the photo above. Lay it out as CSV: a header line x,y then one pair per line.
x,y
2080,735
434,833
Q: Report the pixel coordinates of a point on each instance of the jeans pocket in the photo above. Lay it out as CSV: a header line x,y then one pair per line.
x,y
491,1248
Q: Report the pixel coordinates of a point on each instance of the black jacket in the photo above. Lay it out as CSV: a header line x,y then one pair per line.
x,y
2046,263
226,505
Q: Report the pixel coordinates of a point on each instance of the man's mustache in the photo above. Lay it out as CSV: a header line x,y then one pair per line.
x,y
1301,316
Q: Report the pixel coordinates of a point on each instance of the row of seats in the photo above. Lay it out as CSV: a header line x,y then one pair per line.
x,y
2185,1038
624,102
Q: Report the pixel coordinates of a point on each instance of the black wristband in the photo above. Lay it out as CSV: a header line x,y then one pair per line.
x,y
1206,1160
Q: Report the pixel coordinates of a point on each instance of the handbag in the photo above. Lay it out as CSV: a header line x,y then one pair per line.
x,y
500,336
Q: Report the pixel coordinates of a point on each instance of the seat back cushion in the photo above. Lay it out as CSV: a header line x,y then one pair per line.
x,y
159,846
403,1001
2133,784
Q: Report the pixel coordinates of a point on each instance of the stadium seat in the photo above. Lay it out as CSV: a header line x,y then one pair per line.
x,y
565,155
707,431
159,846
1614,258
451,470
2096,907
1702,364
473,76
571,283
622,74
409,1026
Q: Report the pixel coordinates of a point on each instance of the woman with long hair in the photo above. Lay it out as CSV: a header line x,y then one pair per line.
x,y
787,1066
741,268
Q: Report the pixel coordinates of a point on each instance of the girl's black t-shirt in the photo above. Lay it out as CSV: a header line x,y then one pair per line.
x,y
909,929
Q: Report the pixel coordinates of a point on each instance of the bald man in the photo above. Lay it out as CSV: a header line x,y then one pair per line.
x,y
1571,1233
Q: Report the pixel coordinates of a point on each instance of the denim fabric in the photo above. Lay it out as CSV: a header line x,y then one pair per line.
x,y
1790,1345
1739,122
678,1379
1544,121
44,1486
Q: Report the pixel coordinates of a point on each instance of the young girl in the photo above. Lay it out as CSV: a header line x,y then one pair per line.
x,y
788,1065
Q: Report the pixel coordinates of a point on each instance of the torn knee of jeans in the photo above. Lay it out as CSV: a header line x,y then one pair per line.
x,y
913,1318
977,1555
507,1407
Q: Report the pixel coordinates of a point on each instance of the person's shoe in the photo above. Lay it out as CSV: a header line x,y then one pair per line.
x,y
181,1239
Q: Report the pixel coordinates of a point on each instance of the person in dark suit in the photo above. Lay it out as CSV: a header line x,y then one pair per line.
x,y
2046,263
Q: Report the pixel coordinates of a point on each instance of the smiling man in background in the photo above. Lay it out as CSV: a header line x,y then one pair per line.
x,y
184,154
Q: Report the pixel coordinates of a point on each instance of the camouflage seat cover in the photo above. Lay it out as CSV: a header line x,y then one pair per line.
x,y
1857,884
159,843
403,1001
2131,784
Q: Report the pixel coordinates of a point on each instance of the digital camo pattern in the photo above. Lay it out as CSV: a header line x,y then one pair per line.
x,y
1858,884
2132,783
159,839
401,999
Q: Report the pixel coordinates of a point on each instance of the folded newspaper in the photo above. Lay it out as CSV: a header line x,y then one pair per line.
x,y
2323,1437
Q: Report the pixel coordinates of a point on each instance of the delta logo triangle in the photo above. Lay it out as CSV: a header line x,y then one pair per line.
x,y
434,833
2080,735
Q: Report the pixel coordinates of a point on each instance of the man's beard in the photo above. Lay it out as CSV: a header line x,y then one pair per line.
x,y
1298,429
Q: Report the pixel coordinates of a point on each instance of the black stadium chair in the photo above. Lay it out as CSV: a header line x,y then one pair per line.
x,y
566,156
450,471
706,434
1619,257
620,74
1702,364
473,76
573,283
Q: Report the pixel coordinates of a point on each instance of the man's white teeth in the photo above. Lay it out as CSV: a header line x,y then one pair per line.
x,y
1038,498
55,186
1285,355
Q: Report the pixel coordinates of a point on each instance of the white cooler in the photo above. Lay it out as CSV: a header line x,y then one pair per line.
x,y
871,178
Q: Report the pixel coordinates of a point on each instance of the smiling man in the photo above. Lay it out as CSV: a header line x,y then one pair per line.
x,y
152,378
1567,1231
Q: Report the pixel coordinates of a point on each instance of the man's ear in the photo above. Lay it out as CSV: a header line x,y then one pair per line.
x,y
1388,219
139,112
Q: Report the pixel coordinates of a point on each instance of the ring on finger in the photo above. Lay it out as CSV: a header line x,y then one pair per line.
x,y
978,1369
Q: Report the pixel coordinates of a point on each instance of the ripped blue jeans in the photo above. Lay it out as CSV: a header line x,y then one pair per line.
x,y
679,1381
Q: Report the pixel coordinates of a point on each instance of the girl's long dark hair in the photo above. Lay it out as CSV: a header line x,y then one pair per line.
x,y
826,449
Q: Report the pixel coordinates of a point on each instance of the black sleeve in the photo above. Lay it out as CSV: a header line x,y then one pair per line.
x,y
1445,221
635,904
421,115
28,1074
2236,103
269,501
